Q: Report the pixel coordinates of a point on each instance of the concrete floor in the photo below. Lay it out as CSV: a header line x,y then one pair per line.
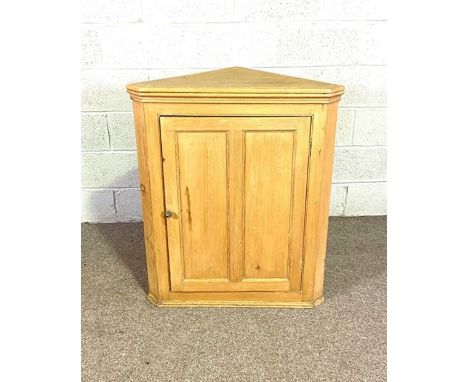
x,y
124,338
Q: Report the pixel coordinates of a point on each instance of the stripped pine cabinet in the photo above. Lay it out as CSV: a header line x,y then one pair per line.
x,y
235,168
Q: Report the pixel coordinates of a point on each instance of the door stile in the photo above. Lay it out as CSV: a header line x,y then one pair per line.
x,y
301,164
236,171
172,196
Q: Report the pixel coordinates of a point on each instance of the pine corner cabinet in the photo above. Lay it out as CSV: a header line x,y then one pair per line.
x,y
235,168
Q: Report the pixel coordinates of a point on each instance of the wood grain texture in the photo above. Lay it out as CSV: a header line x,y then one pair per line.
x,y
196,184
267,218
202,185
238,80
314,180
146,202
322,224
244,159
156,180
225,302
318,201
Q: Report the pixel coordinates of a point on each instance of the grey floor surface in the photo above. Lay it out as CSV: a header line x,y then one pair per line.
x,y
124,338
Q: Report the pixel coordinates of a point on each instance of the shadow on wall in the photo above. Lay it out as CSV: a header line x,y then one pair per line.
x,y
125,237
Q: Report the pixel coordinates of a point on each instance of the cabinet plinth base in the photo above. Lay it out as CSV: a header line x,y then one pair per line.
x,y
233,304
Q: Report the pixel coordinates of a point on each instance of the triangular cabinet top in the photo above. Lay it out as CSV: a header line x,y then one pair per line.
x,y
235,82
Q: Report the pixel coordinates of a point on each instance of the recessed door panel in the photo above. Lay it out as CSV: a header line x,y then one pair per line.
x,y
236,188
202,187
268,196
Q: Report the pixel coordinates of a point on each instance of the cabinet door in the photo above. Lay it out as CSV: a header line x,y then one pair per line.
x,y
236,187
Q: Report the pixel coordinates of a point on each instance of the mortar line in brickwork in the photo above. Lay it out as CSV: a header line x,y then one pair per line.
x,y
140,16
343,183
347,183
248,22
115,204
350,182
316,66
108,188
108,133
106,112
129,111
110,152
217,67
354,128
272,22
359,107
134,151
360,146
346,201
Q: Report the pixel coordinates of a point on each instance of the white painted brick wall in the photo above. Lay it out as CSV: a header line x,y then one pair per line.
x,y
344,127
97,206
121,131
126,41
110,11
338,200
188,11
359,164
366,199
94,133
109,169
370,127
127,204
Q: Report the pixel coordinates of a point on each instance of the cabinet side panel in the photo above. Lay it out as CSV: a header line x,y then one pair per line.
x,y
154,166
322,224
314,180
269,174
145,186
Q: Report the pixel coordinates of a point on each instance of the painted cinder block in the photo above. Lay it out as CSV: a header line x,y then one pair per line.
x,y
109,169
128,204
338,200
344,127
277,44
182,46
110,11
94,135
366,199
104,89
308,44
365,86
187,11
352,164
121,131
370,127
293,10
97,206
90,47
